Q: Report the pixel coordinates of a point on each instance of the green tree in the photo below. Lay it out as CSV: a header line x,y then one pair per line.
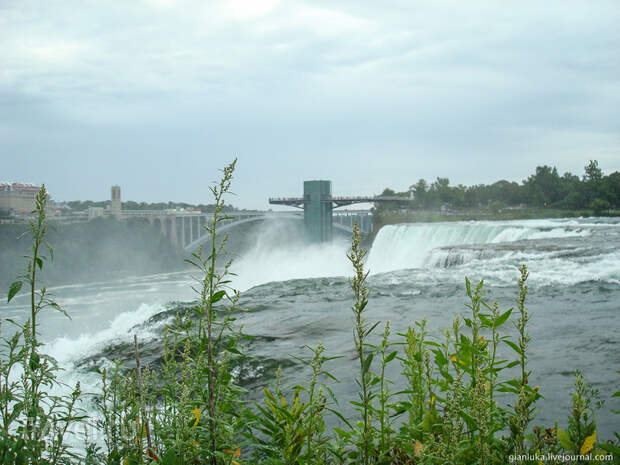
x,y
419,190
441,191
611,188
544,187
592,172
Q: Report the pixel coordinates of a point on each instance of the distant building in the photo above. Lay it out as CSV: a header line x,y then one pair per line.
x,y
115,206
95,212
18,197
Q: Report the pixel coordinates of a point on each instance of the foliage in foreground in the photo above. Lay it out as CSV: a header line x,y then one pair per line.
x,y
191,411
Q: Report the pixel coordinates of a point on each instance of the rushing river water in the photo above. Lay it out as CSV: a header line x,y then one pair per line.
x,y
298,294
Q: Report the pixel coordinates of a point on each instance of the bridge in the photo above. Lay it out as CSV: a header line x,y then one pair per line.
x,y
186,229
319,204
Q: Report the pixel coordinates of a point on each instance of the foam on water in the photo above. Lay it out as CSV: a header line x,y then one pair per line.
x,y
68,350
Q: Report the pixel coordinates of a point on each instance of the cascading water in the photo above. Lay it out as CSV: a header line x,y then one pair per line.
x,y
410,245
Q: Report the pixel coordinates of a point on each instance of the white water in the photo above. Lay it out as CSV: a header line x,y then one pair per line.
x,y
280,254
411,245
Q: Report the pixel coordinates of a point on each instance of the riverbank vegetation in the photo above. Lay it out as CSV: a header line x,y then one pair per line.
x,y
544,194
191,410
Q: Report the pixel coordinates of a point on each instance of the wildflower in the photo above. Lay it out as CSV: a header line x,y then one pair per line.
x,y
453,359
418,448
196,413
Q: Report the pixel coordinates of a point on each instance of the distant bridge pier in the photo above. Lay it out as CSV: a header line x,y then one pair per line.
x,y
173,236
318,219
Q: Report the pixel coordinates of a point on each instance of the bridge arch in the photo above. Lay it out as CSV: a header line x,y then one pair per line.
x,y
222,228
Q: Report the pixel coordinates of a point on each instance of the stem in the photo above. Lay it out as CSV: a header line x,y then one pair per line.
x,y
211,283
361,300
33,279
38,230
209,311
145,419
495,341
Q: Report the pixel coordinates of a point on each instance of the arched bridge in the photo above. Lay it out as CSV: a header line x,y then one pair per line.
x,y
187,228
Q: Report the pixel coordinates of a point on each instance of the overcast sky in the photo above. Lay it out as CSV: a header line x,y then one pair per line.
x,y
156,95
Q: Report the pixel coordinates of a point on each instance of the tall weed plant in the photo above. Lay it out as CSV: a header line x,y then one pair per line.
x,y
35,424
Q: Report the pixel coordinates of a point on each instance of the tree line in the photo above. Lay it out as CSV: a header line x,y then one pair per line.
x,y
544,188
81,205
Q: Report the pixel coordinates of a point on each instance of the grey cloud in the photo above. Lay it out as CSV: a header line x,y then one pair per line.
x,y
157,97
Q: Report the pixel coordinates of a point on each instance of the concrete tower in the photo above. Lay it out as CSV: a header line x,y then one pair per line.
x,y
115,207
318,210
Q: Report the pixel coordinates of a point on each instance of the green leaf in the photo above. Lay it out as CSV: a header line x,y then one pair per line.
x,y
564,439
486,322
431,418
368,331
500,320
39,262
14,289
514,346
612,449
392,356
366,363
57,307
217,296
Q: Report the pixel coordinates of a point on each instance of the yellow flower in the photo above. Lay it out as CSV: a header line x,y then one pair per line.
x,y
588,444
196,413
486,385
418,448
453,358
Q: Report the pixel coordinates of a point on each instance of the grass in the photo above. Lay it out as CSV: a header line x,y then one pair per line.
x,y
190,409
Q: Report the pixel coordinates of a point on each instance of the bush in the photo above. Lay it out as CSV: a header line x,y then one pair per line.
x,y
599,206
